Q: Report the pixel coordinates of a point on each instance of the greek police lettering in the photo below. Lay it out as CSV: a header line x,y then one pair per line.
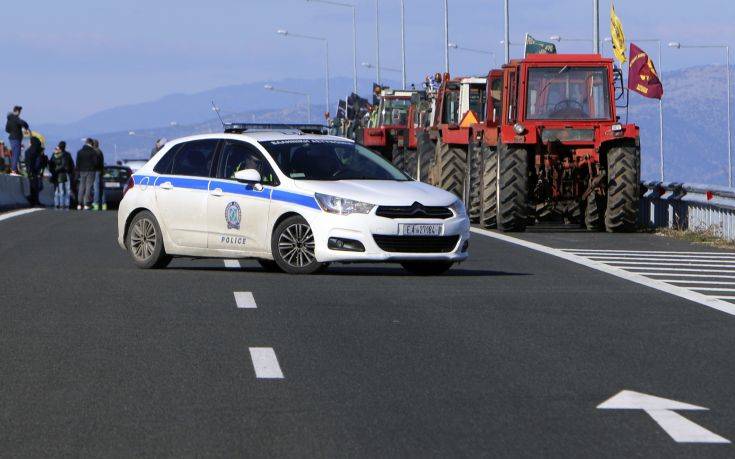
x,y
305,141
232,240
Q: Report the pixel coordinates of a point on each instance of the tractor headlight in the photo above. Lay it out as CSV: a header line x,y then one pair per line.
x,y
458,208
519,128
342,206
617,127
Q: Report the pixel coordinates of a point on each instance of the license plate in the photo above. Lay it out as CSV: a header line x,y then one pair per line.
x,y
419,229
112,185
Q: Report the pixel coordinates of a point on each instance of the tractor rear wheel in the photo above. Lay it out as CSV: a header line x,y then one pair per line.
x,y
410,161
449,169
425,153
623,182
489,188
512,188
475,201
397,157
594,213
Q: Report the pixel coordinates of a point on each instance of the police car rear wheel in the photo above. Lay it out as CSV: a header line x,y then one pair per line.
x,y
145,242
293,247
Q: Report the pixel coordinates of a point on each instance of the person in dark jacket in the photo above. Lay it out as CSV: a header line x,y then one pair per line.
x,y
100,200
61,167
34,167
87,164
14,127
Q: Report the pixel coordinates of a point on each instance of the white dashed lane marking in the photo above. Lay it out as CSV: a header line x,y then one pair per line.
x,y
245,300
232,264
18,213
681,269
265,363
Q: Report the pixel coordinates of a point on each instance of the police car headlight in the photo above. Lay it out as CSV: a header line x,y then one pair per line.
x,y
342,206
458,208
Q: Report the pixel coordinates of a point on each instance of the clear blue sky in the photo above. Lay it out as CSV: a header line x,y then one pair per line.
x,y
63,60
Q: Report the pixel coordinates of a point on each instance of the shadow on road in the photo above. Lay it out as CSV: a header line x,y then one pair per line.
x,y
359,271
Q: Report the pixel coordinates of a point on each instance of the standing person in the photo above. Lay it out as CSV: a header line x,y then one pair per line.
x,y
86,166
61,166
14,127
34,166
100,201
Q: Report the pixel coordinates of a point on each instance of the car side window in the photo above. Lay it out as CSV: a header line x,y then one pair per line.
x,y
239,156
163,166
194,158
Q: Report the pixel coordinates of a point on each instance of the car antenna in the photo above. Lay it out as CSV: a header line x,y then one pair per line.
x,y
216,110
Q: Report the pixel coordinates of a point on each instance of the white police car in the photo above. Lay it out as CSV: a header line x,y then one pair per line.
x,y
293,200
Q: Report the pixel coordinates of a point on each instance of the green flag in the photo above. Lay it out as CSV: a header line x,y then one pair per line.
x,y
534,46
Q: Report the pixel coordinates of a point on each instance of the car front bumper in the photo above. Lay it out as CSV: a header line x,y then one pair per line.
x,y
363,228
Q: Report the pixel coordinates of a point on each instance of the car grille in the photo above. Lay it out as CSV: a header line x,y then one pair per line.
x,y
416,210
416,244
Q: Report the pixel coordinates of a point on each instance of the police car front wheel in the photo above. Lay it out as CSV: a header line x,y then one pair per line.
x,y
145,242
293,247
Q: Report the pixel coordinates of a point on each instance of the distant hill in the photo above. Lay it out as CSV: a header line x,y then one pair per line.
x,y
695,126
186,109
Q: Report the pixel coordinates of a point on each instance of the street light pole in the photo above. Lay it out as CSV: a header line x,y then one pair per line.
x,y
270,87
677,45
596,26
354,35
506,40
446,36
286,33
403,43
472,50
377,40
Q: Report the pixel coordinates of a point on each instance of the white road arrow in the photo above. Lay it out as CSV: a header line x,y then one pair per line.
x,y
681,429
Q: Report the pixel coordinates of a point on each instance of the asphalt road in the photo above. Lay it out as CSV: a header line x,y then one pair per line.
x,y
509,355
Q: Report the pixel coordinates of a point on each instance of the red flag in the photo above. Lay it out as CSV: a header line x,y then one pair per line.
x,y
642,76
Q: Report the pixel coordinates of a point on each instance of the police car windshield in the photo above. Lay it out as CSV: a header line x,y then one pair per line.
x,y
323,159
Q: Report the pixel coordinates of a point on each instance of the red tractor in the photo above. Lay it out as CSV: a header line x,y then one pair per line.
x,y
556,148
458,105
387,126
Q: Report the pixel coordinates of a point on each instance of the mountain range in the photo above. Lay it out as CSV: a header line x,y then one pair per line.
x,y
695,120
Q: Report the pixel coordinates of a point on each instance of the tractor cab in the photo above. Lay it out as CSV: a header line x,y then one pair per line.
x,y
385,129
562,100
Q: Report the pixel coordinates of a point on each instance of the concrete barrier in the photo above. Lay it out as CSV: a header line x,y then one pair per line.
x,y
15,189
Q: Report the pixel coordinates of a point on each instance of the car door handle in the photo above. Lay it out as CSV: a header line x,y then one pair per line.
x,y
167,186
216,192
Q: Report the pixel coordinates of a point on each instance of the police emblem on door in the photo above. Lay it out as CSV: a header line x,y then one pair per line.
x,y
233,215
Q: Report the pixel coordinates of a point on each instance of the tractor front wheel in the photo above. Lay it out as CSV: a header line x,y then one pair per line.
x,y
475,204
594,212
425,153
623,182
512,188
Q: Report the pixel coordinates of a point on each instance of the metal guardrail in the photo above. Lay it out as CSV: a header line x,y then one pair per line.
x,y
689,206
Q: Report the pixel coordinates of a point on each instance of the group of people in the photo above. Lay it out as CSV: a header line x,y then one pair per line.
x,y
87,174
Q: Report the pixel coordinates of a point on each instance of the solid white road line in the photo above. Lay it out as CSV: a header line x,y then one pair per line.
x,y
660,260
707,276
245,300
232,264
655,268
265,363
712,289
652,252
653,263
638,278
682,281
18,213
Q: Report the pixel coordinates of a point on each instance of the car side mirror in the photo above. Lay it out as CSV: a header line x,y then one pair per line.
x,y
248,176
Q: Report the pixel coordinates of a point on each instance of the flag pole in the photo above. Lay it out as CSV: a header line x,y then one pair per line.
x,y
661,112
